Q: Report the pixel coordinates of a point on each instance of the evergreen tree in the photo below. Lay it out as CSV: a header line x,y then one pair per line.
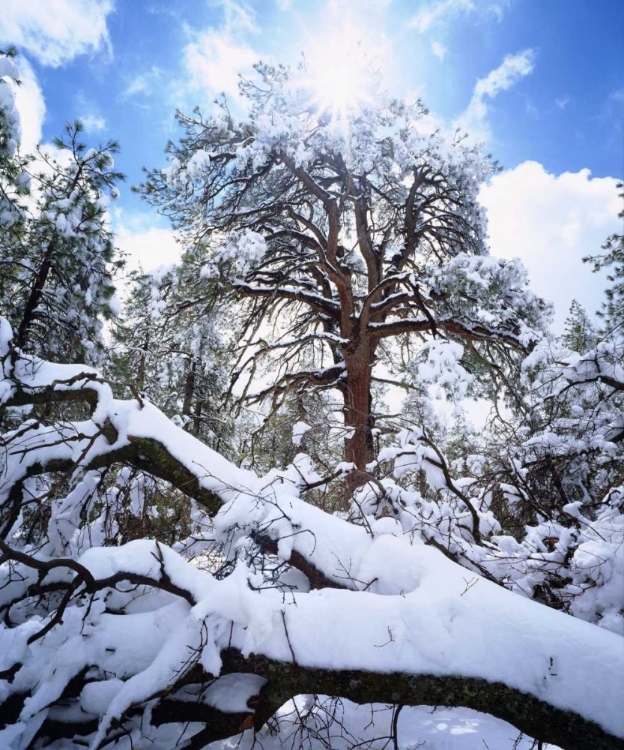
x,y
612,258
14,180
580,332
171,345
58,257
337,233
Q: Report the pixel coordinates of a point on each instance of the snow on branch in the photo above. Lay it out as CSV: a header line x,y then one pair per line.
x,y
99,637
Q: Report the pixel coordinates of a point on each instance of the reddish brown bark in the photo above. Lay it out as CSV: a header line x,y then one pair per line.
x,y
359,419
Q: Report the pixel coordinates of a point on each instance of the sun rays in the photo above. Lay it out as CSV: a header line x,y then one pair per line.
x,y
340,72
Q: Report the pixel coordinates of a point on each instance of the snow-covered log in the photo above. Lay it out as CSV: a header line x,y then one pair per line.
x,y
99,640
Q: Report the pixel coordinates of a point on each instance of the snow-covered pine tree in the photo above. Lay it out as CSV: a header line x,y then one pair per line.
x,y
57,253
580,332
172,344
612,258
10,133
337,234
14,181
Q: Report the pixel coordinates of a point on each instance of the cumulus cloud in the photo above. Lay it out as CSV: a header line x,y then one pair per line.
x,y
214,62
56,31
551,222
216,55
509,72
145,247
93,123
31,106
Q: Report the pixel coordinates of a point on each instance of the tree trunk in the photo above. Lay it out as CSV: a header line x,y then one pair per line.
x,y
189,389
143,362
36,292
359,448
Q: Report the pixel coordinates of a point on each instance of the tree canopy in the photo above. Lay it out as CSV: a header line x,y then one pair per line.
x,y
340,233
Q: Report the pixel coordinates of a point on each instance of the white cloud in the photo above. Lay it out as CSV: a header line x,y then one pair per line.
x,y
144,83
55,31
216,55
93,123
147,248
431,14
237,17
441,11
143,238
510,71
214,60
498,8
551,222
31,106
439,50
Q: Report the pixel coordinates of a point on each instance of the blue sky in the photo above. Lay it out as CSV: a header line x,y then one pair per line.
x,y
540,81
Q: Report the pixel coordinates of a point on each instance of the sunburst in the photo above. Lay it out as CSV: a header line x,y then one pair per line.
x,y
339,74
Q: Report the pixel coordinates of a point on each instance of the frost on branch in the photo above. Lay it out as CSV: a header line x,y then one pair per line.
x,y
270,598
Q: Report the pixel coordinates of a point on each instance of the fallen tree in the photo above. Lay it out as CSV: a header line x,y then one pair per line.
x,y
269,597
